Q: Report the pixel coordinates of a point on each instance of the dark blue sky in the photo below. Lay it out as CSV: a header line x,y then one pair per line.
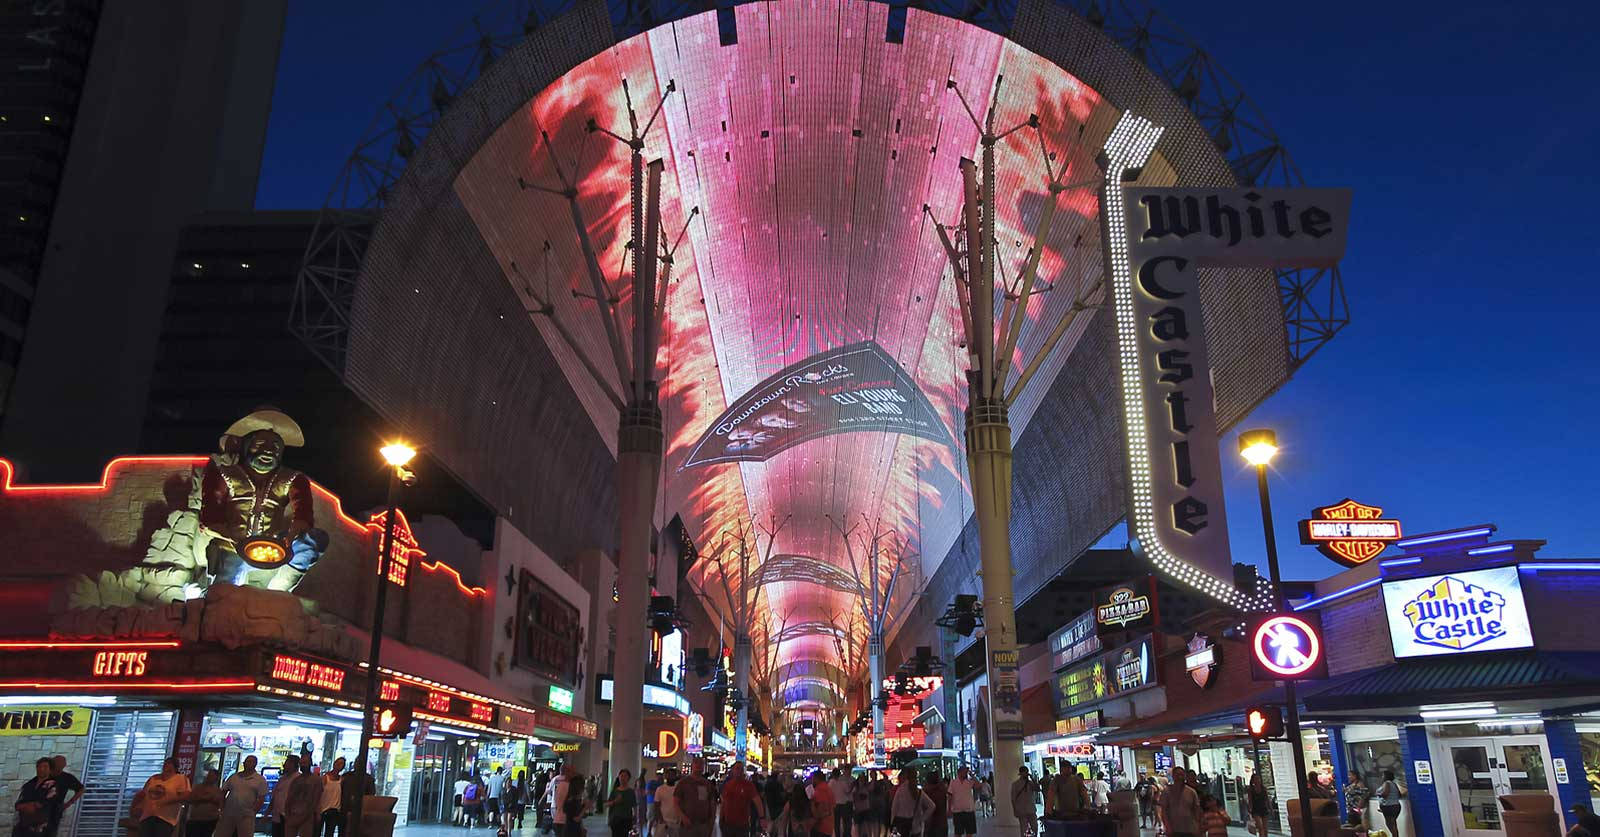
x,y
1463,391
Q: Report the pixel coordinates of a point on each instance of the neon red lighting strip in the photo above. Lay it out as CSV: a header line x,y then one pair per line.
x,y
89,643
10,471
104,684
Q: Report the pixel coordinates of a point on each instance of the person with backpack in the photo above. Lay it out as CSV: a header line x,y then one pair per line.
x,y
696,800
472,800
574,805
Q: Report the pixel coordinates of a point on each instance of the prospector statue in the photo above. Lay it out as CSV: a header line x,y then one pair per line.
x,y
259,512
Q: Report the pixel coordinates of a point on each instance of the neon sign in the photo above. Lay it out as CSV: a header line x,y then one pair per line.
x,y
1468,612
401,550
120,663
1287,646
389,690
1348,532
482,713
560,699
1122,608
438,702
306,673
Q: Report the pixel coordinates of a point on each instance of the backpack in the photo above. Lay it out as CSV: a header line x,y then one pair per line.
x,y
470,794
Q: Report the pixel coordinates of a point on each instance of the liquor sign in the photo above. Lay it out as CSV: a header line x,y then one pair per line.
x,y
1348,532
1129,606
1202,659
565,747
1154,241
1083,750
1459,613
1074,641
1287,646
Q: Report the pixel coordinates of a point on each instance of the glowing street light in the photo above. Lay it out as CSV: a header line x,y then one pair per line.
x,y
398,454
1258,446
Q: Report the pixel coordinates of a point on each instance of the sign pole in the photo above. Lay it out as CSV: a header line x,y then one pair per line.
x,y
1292,725
353,824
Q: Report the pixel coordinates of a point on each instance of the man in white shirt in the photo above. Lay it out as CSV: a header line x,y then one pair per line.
x,y
245,790
280,793
1100,793
670,817
841,803
328,811
496,784
963,805
558,798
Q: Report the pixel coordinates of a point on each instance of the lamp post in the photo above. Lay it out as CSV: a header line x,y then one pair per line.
x,y
398,455
1258,447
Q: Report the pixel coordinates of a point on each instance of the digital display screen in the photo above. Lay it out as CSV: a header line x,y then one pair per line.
x,y
1459,613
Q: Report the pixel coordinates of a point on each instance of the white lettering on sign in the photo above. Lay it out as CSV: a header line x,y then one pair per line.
x,y
1154,242
1467,612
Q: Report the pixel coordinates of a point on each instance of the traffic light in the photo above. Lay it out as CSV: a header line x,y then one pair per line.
x,y
1263,722
391,719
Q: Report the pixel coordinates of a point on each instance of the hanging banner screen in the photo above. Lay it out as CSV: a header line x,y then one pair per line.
x,y
855,387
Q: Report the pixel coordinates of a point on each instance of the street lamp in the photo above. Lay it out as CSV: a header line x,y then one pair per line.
x,y
398,455
1258,447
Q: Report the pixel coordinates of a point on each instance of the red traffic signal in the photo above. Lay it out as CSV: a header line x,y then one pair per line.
x,y
1263,722
391,719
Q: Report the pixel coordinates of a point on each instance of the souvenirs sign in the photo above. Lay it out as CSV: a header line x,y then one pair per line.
x,y
1459,613
1155,242
1348,532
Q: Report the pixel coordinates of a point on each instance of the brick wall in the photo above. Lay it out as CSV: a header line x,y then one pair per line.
x,y
17,755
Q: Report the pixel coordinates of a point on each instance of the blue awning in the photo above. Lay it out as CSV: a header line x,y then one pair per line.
x,y
1518,675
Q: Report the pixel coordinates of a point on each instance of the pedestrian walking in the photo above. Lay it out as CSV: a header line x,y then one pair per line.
x,y
963,804
242,796
1180,807
70,788
671,818
574,806
515,800
330,812
1214,820
1145,792
1025,802
495,788
302,811
1389,794
910,807
797,813
1356,797
843,810
938,821
280,793
621,804
1260,803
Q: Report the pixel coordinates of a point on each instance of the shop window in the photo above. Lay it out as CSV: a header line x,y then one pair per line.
x,y
1589,743
1370,758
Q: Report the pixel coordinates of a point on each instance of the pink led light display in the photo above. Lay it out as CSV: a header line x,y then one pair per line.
x,y
809,148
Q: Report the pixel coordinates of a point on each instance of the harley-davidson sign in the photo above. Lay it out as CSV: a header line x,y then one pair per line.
x,y
1350,533
854,387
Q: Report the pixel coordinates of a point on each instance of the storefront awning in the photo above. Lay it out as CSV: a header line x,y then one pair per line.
x,y
1508,677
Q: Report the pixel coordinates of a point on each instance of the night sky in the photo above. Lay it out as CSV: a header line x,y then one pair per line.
x,y
1462,392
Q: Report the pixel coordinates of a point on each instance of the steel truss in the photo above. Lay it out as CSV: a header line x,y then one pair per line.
x,y
1313,301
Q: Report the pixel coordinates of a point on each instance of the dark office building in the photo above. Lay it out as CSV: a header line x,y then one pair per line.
x,y
225,349
172,100
44,56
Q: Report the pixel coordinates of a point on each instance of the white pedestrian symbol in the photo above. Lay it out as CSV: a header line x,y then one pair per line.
x,y
1285,644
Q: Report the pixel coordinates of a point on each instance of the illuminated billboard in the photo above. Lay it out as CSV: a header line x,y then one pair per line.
x,y
853,388
1459,613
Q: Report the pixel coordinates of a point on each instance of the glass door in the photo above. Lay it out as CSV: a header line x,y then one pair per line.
x,y
1486,769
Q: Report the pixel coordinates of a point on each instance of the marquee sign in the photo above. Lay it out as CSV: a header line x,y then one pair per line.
x,y
1287,646
1348,532
1125,669
1459,613
45,720
1074,641
851,388
1125,607
1154,242
1202,659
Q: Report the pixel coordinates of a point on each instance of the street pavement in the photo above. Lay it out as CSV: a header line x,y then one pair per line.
x,y
596,827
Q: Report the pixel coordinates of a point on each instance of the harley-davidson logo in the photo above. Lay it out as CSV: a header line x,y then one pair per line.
x,y
1350,533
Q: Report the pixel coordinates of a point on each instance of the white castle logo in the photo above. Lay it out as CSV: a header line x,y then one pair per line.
x,y
1456,615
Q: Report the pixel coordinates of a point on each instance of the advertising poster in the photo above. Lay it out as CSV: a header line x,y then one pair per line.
x,y
1459,613
1007,707
851,388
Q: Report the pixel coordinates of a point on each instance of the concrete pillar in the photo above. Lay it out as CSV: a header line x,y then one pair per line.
x,y
638,475
989,462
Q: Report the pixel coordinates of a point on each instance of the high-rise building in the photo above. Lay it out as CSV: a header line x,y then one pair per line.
x,y
172,101
44,56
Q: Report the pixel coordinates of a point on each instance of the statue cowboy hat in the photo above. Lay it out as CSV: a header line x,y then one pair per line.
x,y
267,418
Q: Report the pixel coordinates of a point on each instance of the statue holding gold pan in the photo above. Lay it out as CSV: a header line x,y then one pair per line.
x,y
259,512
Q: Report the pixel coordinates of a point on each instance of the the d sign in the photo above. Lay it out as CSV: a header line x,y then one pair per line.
x,y
1155,240
667,744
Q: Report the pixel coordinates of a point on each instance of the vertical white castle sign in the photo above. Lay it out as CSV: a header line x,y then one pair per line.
x,y
1155,241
